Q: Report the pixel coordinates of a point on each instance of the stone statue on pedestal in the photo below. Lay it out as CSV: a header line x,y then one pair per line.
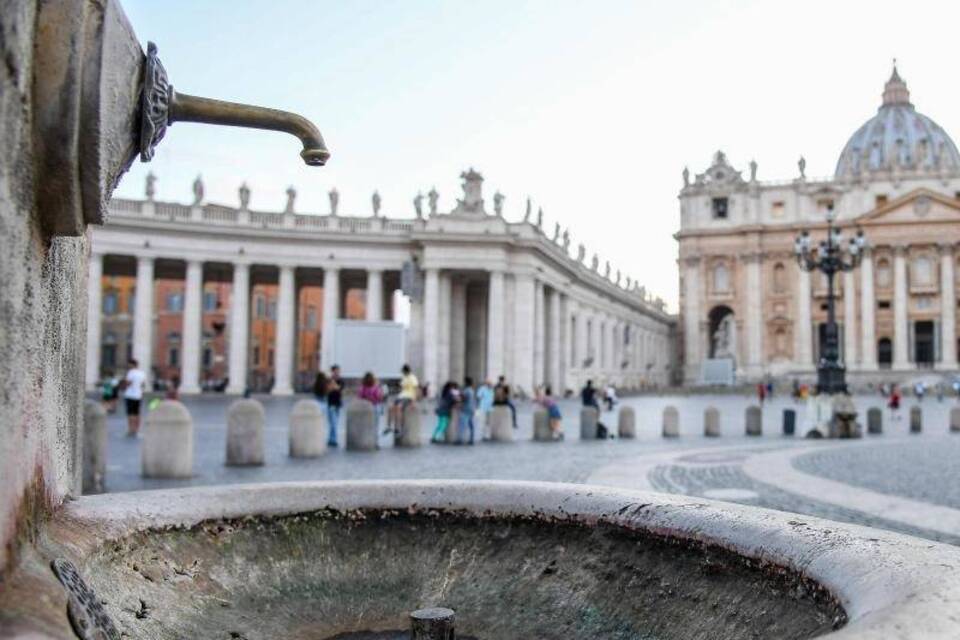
x,y
556,231
686,176
244,193
581,252
291,199
540,218
334,196
432,198
629,284
595,262
753,171
529,211
375,201
498,199
618,278
418,204
151,187
606,270
566,239
802,165
198,190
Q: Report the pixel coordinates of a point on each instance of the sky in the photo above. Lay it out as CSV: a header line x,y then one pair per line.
x,y
591,109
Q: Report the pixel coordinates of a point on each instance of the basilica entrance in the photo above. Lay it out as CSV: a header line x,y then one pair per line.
x,y
924,343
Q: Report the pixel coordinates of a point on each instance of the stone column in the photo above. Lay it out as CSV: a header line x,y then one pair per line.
x,y
804,346
143,317
900,329
754,316
849,320
444,337
192,328
239,328
598,331
374,295
94,326
431,329
523,341
691,320
554,343
495,325
948,310
331,312
583,348
868,306
458,331
539,333
286,332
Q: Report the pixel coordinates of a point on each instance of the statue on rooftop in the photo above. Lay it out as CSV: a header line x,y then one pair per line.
x,y
529,211
556,231
686,176
291,199
618,277
334,196
581,252
151,187
540,218
498,199
418,204
375,200
244,193
198,190
606,270
802,165
753,171
566,239
432,198
595,262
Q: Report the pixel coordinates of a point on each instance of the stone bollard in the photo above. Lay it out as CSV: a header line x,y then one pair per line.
x,y
754,421
361,426
452,436
916,420
711,422
955,420
245,422
436,623
167,450
308,430
789,422
501,424
874,420
411,429
589,417
541,426
94,447
671,422
627,423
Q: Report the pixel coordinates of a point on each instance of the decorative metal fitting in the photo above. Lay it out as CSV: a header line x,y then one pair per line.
x,y
87,616
161,106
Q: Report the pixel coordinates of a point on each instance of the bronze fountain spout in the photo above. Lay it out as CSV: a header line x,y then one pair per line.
x,y
161,106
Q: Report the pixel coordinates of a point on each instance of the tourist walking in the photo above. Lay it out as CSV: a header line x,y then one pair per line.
x,y
334,404
371,392
468,406
134,384
445,406
546,400
501,396
894,402
409,394
485,405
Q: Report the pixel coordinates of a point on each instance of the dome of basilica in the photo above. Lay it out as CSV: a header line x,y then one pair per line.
x,y
898,137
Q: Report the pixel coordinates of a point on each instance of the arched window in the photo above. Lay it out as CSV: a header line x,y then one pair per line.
x,y
779,278
923,271
721,279
883,273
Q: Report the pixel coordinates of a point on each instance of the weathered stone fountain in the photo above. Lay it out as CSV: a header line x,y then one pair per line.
x,y
78,100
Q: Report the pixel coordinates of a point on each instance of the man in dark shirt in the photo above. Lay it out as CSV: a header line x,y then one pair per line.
x,y
501,396
334,404
589,396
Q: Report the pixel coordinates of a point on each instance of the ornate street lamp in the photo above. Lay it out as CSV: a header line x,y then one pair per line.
x,y
830,257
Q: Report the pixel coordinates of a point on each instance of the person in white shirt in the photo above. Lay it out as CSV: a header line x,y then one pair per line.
x,y
133,387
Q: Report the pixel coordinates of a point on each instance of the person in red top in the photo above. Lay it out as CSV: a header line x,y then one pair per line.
x,y
761,392
894,402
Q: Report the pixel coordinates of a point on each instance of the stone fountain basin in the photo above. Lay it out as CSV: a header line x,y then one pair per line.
x,y
513,559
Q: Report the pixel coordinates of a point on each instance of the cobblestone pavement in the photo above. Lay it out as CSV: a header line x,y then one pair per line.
x,y
917,468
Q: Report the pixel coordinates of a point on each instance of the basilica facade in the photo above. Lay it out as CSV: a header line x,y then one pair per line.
x,y
749,313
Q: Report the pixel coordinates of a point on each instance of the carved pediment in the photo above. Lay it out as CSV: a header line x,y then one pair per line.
x,y
720,173
918,206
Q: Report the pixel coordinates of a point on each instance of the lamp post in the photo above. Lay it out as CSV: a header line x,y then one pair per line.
x,y
830,257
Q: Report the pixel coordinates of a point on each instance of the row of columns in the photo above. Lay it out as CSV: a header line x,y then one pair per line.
x,y
860,354
239,319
